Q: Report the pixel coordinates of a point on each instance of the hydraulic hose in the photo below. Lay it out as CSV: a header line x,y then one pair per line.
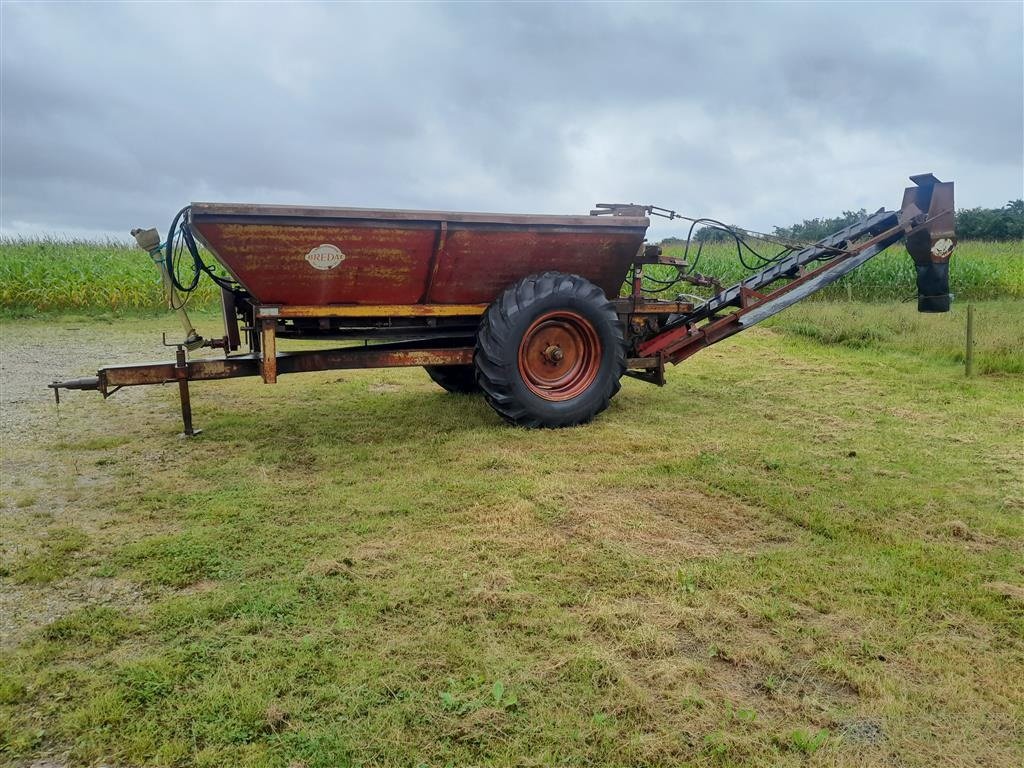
x,y
149,241
178,236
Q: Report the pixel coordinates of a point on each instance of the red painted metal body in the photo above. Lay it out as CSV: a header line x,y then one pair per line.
x,y
408,257
416,284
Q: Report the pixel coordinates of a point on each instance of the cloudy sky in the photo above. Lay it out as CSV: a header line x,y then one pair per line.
x,y
116,115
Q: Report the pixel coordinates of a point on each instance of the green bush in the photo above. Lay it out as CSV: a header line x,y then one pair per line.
x,y
1006,223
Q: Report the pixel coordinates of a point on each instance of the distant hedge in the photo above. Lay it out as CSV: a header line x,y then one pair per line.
x,y
1006,223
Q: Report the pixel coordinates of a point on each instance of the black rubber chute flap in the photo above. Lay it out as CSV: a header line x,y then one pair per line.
x,y
933,287
929,212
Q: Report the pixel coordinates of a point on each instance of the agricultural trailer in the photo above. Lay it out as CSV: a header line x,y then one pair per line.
x,y
543,315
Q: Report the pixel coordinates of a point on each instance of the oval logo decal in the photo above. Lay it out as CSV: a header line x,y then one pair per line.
x,y
325,256
942,248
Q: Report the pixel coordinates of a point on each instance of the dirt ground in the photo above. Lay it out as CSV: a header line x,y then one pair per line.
x,y
36,353
33,355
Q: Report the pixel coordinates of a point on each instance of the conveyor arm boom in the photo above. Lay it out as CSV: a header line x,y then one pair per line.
x,y
925,221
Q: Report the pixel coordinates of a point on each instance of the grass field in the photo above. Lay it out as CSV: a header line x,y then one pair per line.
x,y
51,275
807,549
899,329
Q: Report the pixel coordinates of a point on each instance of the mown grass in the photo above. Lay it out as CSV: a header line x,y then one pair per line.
x,y
801,551
51,561
901,329
53,275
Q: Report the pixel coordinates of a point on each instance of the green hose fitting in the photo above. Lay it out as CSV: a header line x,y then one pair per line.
x,y
149,241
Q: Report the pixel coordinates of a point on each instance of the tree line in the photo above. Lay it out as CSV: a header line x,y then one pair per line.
x,y
1006,223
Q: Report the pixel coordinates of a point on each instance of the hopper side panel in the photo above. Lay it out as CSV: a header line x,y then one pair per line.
x,y
379,264
478,263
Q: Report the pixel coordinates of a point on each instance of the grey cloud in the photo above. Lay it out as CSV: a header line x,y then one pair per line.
x,y
115,115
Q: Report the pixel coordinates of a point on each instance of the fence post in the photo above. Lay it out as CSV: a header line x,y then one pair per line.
x,y
969,355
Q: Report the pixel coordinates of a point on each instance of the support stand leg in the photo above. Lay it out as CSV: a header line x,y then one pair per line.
x,y
181,369
268,348
186,410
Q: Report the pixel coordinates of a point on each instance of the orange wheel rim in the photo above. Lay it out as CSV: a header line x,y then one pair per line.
x,y
560,355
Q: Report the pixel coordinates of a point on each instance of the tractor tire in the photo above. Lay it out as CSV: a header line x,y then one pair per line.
x,y
550,351
457,379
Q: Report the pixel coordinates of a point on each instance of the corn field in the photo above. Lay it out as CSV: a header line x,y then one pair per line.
x,y
978,270
46,275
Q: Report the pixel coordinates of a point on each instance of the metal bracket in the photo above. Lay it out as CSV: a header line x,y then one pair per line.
x,y
653,375
619,209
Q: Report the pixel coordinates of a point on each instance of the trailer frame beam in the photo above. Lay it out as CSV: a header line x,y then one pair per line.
x,y
266,311
239,366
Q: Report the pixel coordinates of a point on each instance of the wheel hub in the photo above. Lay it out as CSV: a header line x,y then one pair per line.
x,y
560,355
554,354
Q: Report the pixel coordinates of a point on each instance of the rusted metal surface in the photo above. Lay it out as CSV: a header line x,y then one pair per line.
x,y
481,263
321,256
559,355
372,310
181,374
319,212
238,366
268,351
649,369
645,306
373,357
